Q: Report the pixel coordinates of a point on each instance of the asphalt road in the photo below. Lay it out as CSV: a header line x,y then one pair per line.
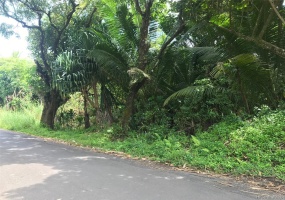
x,y
34,169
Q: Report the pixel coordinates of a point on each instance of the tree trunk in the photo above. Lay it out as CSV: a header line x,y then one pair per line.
x,y
52,101
242,92
129,109
143,49
85,102
95,104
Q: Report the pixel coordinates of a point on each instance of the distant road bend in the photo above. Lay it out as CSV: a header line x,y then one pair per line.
x,y
34,169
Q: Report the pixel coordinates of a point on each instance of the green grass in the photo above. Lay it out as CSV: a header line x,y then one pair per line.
x,y
254,148
20,120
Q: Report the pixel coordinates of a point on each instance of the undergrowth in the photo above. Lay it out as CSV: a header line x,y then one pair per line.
x,y
254,147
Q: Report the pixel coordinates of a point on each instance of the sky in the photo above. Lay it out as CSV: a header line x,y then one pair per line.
x,y
14,44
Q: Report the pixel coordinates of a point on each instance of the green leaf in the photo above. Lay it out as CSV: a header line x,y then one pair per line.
x,y
195,140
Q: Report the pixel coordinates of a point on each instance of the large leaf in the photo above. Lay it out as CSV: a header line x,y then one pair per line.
x,y
197,92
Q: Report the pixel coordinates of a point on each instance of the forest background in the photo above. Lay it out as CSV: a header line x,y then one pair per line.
x,y
196,84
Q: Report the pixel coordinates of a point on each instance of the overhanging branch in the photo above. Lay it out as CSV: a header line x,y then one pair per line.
x,y
176,33
259,42
88,24
265,25
14,17
41,71
60,32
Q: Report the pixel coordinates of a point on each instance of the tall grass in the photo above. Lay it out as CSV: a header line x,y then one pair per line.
x,y
25,118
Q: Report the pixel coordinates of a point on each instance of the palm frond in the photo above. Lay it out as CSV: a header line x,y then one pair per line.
x,y
72,70
195,91
248,72
120,24
174,74
112,66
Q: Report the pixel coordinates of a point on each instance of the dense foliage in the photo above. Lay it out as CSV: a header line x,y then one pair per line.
x,y
18,82
203,59
182,80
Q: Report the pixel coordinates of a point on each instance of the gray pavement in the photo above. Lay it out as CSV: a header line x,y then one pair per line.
x,y
35,169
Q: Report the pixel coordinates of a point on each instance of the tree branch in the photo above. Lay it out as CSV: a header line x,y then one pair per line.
x,y
14,17
258,20
91,102
259,42
148,6
276,11
266,24
40,70
45,69
43,74
144,31
60,32
88,24
176,33
51,23
138,7
33,8
42,45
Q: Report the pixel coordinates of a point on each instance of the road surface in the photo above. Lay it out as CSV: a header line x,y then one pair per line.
x,y
35,169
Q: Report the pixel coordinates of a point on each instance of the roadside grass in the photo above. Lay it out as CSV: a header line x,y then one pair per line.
x,y
18,120
254,147
26,118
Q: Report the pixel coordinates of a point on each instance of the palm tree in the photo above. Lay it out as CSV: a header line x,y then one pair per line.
x,y
131,30
74,72
249,39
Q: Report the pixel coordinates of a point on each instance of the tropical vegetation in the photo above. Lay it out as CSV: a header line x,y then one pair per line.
x,y
193,83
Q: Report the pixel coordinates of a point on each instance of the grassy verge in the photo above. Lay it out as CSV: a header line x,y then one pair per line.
x,y
254,148
20,120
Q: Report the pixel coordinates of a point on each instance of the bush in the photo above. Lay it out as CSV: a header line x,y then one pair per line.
x,y
201,112
255,147
150,113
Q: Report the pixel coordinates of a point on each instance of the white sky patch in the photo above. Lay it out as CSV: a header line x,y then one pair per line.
x,y
14,44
